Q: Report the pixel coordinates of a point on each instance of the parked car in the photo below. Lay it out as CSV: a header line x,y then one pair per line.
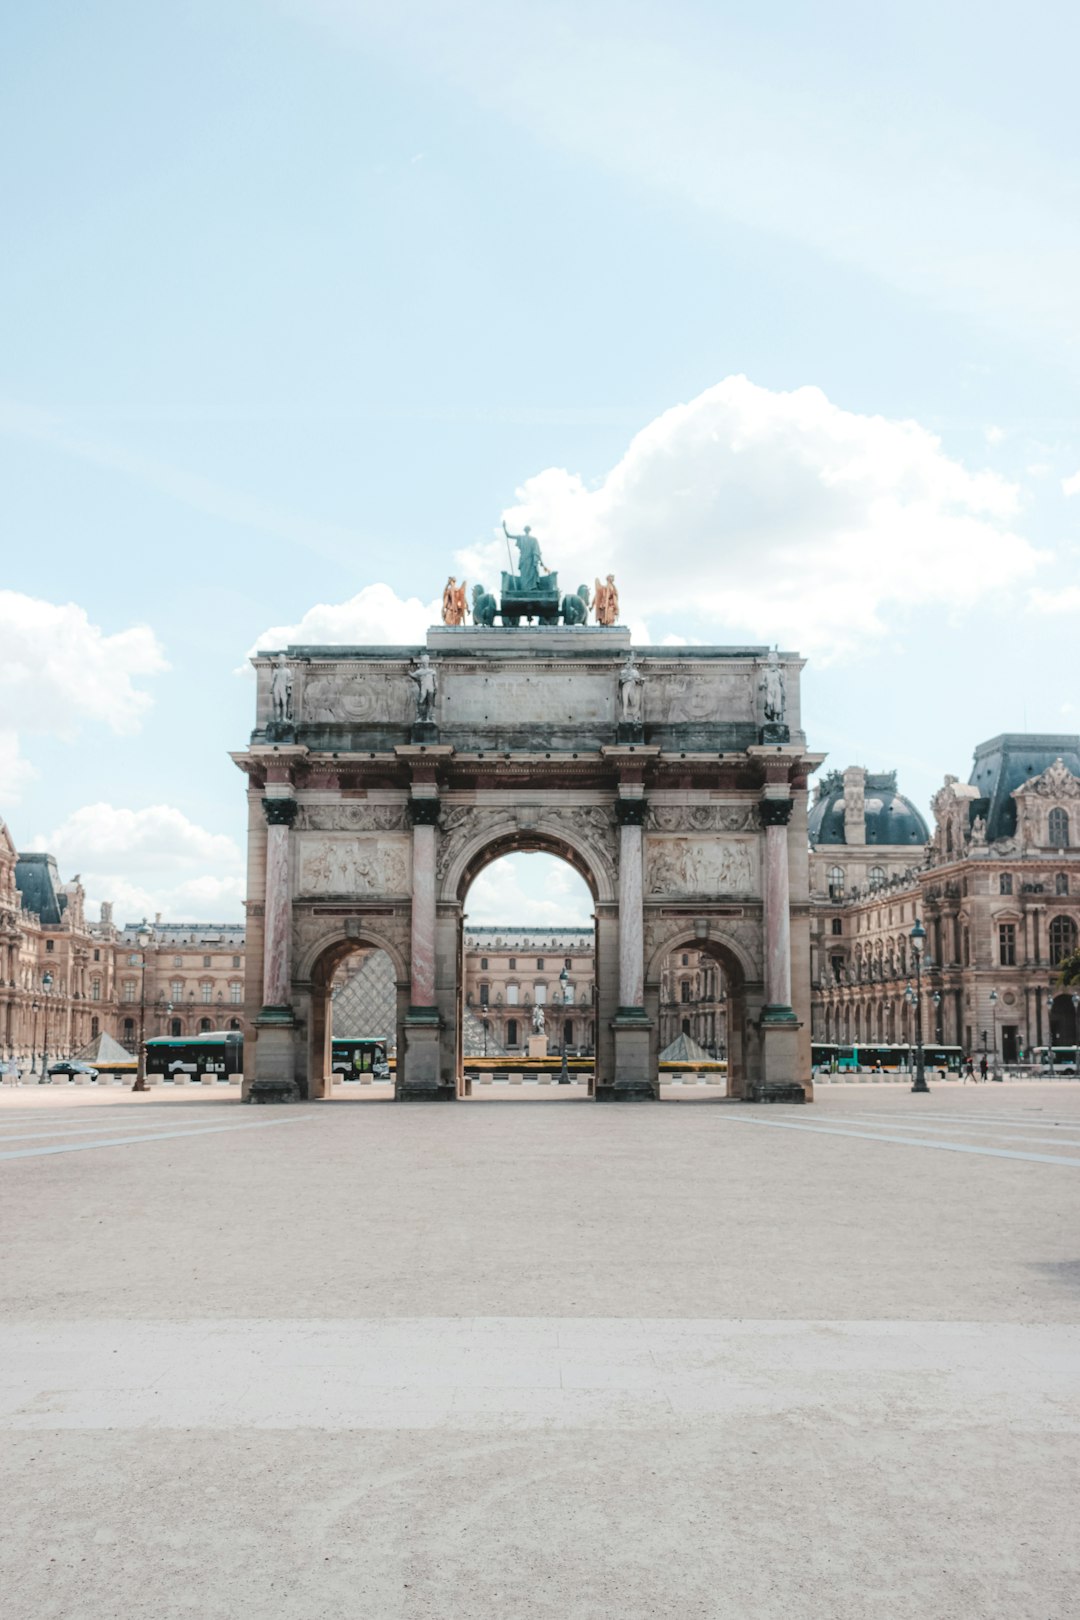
x,y
71,1067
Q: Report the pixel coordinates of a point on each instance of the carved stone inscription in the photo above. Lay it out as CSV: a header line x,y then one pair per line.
x,y
702,866
353,866
546,697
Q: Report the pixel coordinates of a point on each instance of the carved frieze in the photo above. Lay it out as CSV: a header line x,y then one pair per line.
x,y
358,867
701,866
688,698
673,818
357,697
353,818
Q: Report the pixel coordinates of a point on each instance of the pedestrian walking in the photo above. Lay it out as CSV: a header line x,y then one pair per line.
x,y
983,1067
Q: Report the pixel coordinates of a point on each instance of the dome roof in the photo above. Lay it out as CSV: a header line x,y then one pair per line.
x,y
890,818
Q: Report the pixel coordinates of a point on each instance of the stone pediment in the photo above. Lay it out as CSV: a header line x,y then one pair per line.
x,y
1056,782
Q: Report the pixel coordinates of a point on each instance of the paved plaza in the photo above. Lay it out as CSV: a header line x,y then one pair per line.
x,y
372,1359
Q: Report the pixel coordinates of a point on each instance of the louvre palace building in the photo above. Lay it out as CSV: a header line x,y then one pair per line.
x,y
995,882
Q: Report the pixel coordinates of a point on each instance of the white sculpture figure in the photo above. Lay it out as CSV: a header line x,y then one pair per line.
x,y
427,684
538,1019
281,685
771,686
631,682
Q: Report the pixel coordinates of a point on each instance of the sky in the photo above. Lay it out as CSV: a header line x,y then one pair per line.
x,y
771,311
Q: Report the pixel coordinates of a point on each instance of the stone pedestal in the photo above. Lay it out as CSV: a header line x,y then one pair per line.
x,y
274,1079
779,1025
636,1079
538,1046
419,1079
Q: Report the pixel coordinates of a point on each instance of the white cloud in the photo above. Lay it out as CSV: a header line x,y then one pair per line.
x,y
150,860
529,891
993,435
58,670
1071,486
1055,602
374,616
779,516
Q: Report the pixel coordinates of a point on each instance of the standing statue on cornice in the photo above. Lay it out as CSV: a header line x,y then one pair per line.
x,y
453,602
427,684
631,682
606,602
773,691
281,689
530,561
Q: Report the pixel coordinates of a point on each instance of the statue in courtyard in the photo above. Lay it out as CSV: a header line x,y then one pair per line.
x,y
606,602
453,602
575,608
530,561
281,689
427,684
538,1019
773,691
484,606
631,681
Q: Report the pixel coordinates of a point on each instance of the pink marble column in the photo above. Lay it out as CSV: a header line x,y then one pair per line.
x,y
277,916
425,814
775,813
631,813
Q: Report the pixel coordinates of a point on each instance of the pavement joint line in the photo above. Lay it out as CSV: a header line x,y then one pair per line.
x,y
163,1136
960,1130
912,1141
90,1130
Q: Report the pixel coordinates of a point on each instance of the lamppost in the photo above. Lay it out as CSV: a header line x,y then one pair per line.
x,y
35,1008
918,947
995,1073
1075,998
143,937
46,985
564,1073
1051,991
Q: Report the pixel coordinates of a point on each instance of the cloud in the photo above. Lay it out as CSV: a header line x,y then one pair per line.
x,y
529,891
1071,486
150,860
1055,602
374,616
58,670
778,516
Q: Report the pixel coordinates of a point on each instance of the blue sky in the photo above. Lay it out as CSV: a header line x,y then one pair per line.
x,y
301,298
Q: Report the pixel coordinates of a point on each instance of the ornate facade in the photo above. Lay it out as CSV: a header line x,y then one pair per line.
x,y
382,780
997,888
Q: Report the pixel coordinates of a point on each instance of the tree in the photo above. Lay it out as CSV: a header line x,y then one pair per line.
x,y
1069,970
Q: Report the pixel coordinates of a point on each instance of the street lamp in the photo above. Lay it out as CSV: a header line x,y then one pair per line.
x,y
996,1072
143,938
46,985
918,947
564,1073
1075,998
1051,991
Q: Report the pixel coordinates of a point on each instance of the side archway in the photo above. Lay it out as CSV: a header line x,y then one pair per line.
x,y
738,971
313,990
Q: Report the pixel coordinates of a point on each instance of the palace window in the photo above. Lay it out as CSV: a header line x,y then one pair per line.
x,y
95,989
95,1028
1007,944
511,1032
206,990
540,994
877,876
483,964
1005,883
206,961
838,925
568,994
485,995
178,961
129,1029
204,1026
1058,825
836,882
686,961
838,967
967,948
512,962
175,1027
1062,940
568,1033
1061,883
512,995
236,961
684,991
567,963
236,994
97,956
539,961
234,1023
128,993
176,989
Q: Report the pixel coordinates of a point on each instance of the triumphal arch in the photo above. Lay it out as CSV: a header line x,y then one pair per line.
x,y
383,779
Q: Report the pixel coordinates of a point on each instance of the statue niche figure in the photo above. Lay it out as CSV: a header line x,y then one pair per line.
x,y
631,682
530,561
281,690
453,602
484,606
427,685
773,691
575,608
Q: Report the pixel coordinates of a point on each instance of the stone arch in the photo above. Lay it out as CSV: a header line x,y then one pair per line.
x,y
732,956
483,841
316,969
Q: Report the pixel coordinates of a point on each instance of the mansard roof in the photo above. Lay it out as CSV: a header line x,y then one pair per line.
x,y
1006,763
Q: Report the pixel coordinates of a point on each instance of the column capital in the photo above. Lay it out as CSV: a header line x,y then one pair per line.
x,y
279,812
630,812
775,812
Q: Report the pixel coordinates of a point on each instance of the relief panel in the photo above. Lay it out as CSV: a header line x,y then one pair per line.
x,y
701,866
361,867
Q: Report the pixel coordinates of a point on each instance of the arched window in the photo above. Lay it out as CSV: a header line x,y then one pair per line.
x,y
877,876
836,882
1061,883
1005,883
234,1023
511,1032
1058,826
1062,939
204,1026
175,1027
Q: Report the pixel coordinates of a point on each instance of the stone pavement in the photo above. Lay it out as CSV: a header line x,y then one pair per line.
x,y
369,1359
